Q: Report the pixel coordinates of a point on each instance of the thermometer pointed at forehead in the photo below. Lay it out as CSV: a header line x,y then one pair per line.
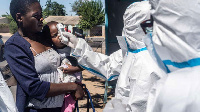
x,y
61,29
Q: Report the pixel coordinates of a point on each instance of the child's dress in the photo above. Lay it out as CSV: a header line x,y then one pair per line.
x,y
69,102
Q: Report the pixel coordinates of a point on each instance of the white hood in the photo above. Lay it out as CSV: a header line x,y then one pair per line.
x,y
131,43
177,32
139,71
134,15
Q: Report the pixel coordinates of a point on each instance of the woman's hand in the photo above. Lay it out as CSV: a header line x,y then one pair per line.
x,y
71,69
79,93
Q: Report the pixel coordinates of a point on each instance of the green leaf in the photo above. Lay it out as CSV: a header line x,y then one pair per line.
x,y
91,12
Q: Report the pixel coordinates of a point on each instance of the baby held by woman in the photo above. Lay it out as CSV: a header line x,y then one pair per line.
x,y
69,71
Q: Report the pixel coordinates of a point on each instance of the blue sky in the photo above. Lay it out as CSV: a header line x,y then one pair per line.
x,y
4,5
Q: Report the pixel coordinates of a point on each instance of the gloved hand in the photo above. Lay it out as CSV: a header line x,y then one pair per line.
x,y
69,39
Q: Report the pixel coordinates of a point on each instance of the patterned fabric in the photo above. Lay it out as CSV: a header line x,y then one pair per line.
x,y
46,64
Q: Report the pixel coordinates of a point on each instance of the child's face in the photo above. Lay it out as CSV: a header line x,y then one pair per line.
x,y
32,20
55,37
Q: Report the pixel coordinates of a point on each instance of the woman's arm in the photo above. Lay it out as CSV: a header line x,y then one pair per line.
x,y
62,88
21,62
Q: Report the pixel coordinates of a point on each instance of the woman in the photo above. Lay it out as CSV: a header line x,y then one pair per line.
x,y
34,62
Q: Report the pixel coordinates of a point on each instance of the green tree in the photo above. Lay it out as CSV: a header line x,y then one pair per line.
x,y
13,27
76,5
54,9
91,12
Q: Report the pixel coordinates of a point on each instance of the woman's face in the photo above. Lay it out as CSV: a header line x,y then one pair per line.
x,y
55,37
32,20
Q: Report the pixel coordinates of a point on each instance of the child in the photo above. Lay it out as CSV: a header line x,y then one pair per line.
x,y
69,71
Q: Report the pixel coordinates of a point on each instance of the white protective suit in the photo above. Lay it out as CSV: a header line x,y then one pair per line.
x,y
138,72
7,103
177,41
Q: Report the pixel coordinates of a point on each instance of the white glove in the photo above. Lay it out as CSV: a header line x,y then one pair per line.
x,y
69,39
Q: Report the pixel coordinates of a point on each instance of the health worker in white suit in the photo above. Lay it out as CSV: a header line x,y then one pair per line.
x,y
139,70
7,103
177,41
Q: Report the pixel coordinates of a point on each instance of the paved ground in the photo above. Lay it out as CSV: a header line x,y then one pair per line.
x,y
94,84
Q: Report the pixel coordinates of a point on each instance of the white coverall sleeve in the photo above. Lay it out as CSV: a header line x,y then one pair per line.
x,y
106,67
7,103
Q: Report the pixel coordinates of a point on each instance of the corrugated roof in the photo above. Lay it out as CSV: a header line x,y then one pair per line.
x,y
69,20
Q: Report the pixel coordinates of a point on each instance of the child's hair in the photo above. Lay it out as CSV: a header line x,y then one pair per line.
x,y
46,29
51,23
20,6
46,32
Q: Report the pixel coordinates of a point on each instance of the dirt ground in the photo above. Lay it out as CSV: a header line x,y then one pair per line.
x,y
96,86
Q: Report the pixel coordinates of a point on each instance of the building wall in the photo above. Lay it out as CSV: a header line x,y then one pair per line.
x,y
3,20
4,30
96,31
103,32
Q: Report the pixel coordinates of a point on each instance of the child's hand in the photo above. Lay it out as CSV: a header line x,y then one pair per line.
x,y
71,69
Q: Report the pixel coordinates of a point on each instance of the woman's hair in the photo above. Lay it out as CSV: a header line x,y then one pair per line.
x,y
46,31
20,6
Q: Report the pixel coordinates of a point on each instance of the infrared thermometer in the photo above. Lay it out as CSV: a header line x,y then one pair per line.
x,y
61,29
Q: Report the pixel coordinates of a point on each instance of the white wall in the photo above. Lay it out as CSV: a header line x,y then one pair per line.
x,y
3,20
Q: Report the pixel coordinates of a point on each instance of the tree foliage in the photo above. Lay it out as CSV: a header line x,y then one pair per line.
x,y
76,5
4,25
54,9
13,27
91,12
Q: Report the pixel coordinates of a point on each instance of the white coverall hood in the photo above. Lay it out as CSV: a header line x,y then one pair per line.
x,y
134,15
177,32
132,38
177,41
